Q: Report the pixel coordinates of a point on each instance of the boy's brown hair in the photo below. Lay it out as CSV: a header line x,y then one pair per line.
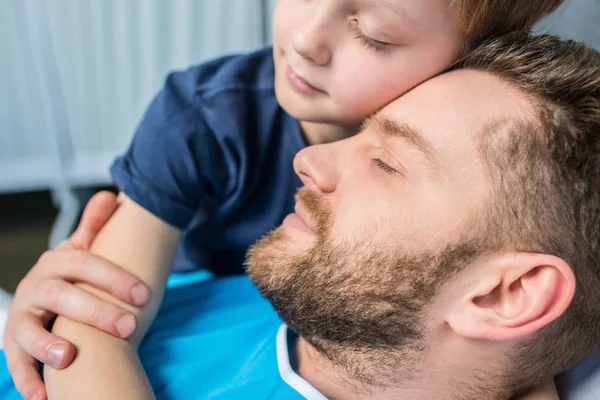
x,y
481,19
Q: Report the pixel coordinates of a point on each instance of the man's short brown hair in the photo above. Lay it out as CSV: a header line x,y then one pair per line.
x,y
546,178
482,19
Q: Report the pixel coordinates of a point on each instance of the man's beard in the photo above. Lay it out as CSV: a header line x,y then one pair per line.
x,y
360,304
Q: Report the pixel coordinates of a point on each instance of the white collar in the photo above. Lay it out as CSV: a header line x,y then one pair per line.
x,y
287,372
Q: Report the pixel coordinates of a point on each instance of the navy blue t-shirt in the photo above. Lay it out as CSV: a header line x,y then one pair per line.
x,y
213,156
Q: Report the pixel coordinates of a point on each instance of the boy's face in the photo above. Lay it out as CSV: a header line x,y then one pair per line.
x,y
338,61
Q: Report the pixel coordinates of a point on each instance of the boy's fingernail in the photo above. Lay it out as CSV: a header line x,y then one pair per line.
x,y
56,353
139,294
126,325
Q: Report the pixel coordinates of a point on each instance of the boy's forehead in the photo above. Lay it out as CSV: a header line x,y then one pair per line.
x,y
417,10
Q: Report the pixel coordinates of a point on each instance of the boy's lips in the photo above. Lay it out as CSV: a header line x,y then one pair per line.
x,y
300,83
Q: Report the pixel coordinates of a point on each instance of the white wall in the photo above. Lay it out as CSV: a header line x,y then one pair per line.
x,y
24,160
577,19
111,57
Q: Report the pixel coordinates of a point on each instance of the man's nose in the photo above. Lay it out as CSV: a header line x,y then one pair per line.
x,y
317,167
311,39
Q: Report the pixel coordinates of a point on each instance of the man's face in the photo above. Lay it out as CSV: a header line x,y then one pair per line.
x,y
385,217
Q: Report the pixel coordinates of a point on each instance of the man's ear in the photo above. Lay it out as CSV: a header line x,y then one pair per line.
x,y
512,295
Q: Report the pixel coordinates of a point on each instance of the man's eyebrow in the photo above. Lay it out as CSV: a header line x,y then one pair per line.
x,y
407,132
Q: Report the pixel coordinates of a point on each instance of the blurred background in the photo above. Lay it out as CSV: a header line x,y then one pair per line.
x,y
76,76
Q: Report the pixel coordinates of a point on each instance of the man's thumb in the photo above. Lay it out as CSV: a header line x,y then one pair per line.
x,y
97,212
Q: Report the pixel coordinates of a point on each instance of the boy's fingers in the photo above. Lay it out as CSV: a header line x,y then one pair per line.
x,y
79,305
97,212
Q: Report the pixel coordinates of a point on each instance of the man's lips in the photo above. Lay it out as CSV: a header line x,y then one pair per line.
x,y
300,83
299,220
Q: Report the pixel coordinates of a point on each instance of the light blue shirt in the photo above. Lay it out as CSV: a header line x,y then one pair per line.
x,y
214,340
220,339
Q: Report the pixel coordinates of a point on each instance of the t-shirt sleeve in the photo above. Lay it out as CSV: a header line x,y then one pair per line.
x,y
174,167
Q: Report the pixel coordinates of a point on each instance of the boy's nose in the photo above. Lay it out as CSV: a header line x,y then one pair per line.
x,y
316,167
310,41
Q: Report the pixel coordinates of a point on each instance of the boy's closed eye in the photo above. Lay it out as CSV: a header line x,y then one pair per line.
x,y
367,41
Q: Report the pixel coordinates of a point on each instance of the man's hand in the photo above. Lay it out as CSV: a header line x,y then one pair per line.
x,y
48,290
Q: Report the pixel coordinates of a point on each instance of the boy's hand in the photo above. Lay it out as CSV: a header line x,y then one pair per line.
x,y
48,290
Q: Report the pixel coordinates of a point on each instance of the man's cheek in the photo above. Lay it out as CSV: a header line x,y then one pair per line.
x,y
356,227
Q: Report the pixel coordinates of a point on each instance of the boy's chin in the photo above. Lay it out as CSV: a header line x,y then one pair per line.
x,y
305,108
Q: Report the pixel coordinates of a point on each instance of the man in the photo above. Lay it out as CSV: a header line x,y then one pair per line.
x,y
453,251
448,251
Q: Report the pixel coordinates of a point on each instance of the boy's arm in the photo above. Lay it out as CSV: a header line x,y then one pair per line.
x,y
107,367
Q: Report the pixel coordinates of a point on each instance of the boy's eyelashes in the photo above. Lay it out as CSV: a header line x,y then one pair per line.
x,y
366,41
